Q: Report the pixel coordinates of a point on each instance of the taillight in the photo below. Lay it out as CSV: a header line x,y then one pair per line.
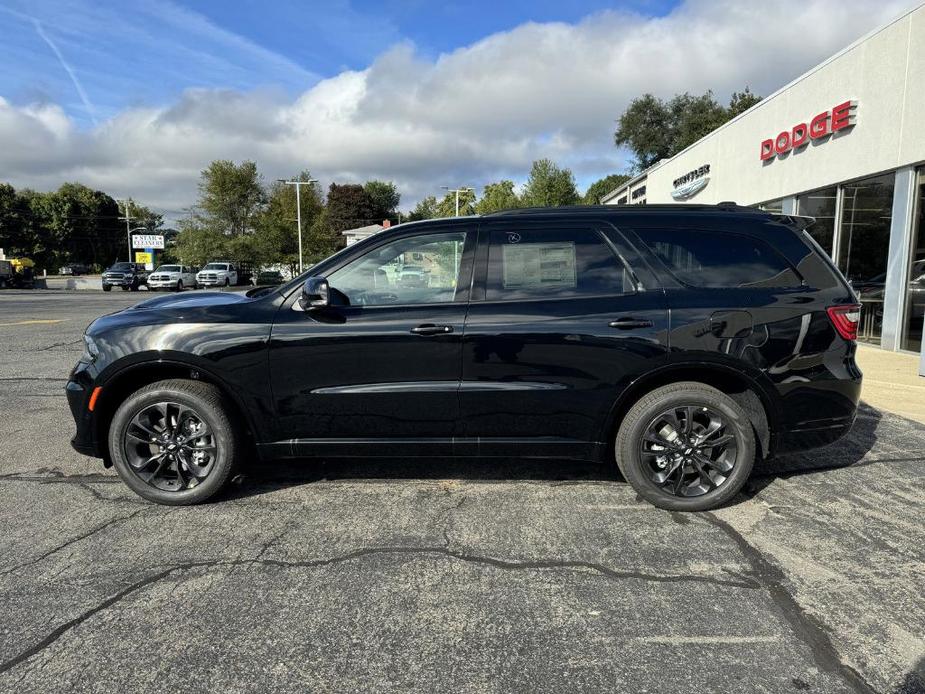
x,y
846,319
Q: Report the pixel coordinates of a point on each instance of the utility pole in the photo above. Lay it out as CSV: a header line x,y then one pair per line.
x,y
457,191
128,226
298,208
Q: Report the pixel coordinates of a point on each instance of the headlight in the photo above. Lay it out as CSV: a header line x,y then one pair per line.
x,y
91,351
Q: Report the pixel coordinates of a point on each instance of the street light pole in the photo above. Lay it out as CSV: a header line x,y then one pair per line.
x,y
298,209
128,227
457,191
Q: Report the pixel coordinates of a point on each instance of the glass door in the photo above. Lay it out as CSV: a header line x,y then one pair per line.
x,y
863,245
915,280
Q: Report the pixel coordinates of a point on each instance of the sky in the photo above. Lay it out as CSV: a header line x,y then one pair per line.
x,y
136,97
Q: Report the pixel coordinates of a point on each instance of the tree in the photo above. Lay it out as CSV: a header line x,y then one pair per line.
x,y
549,186
277,236
447,206
497,196
144,217
425,209
231,196
601,187
655,129
350,206
14,222
384,197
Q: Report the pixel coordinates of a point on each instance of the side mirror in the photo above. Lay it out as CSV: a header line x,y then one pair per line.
x,y
315,294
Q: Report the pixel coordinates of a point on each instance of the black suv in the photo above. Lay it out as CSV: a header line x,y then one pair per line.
x,y
682,342
127,275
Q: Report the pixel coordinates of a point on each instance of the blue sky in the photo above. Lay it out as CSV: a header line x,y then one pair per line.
x,y
137,97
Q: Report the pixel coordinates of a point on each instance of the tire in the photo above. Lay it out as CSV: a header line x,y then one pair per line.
x,y
125,288
642,462
135,286
204,401
227,282
179,285
107,287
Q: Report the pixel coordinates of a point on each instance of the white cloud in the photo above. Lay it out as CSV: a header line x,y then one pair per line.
x,y
468,117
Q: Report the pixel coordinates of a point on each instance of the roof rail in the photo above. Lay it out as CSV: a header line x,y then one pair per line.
x,y
622,209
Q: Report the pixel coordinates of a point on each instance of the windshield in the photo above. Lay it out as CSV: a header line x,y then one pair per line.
x,y
216,266
122,266
168,268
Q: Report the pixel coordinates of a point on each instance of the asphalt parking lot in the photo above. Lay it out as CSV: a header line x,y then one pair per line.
x,y
436,576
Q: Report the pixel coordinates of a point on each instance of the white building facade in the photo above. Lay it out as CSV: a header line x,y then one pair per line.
x,y
844,143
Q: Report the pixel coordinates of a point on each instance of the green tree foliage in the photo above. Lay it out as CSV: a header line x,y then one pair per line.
x,y
15,223
601,187
350,206
655,129
447,206
497,196
384,197
549,186
425,209
231,196
277,236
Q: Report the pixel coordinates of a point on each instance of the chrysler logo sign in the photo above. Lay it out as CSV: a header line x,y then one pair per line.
x,y
691,183
822,125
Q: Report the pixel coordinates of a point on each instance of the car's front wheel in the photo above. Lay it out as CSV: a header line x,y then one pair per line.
x,y
179,285
107,287
686,447
173,443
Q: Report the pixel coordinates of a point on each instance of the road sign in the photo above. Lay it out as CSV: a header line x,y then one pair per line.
x,y
148,241
143,257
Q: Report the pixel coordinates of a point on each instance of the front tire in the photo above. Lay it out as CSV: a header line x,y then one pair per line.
x,y
173,443
686,447
179,285
107,287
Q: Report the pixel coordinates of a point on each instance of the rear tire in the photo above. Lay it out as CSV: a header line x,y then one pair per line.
x,y
686,447
174,483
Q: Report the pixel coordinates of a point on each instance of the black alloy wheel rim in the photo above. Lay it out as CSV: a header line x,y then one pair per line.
x,y
169,446
688,450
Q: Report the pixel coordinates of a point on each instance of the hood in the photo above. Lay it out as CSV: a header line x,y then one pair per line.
x,y
192,300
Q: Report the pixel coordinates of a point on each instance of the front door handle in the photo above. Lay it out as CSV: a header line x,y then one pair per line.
x,y
630,323
431,329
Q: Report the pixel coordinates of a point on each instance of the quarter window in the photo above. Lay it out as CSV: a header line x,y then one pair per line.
x,y
414,270
719,260
551,263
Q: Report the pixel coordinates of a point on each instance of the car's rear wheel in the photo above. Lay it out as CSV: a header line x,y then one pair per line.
x,y
686,447
173,443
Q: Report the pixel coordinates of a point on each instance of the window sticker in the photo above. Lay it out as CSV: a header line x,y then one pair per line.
x,y
529,265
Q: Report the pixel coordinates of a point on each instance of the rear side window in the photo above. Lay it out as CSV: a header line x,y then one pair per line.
x,y
546,263
719,260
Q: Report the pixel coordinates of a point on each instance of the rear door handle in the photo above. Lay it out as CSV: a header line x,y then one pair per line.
x,y
630,323
431,329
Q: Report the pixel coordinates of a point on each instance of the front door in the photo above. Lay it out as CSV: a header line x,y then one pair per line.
x,y
378,376
559,324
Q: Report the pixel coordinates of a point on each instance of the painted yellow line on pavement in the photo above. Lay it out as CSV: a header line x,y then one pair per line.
x,y
44,321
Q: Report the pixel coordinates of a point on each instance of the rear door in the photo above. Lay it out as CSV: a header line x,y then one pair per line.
x,y
559,325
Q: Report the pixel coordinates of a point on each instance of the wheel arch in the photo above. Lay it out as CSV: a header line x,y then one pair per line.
x,y
129,379
757,402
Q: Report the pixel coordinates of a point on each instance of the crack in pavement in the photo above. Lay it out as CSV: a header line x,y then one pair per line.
x,y
810,630
68,543
504,564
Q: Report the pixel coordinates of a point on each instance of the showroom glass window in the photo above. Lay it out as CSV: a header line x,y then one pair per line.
x,y
864,240
820,204
415,270
915,282
526,264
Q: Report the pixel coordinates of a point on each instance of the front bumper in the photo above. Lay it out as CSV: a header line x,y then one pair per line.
x,y
162,284
124,282
84,440
212,283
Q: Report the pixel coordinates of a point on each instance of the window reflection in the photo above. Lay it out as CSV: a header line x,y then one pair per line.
x,y
915,283
864,241
820,204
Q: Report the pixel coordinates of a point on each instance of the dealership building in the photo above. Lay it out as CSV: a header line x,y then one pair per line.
x,y
845,144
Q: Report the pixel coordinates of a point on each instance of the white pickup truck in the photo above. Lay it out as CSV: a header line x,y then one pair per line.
x,y
218,274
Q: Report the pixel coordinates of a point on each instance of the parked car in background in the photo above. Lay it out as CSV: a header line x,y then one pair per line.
x,y
682,343
267,278
177,277
74,269
128,276
218,274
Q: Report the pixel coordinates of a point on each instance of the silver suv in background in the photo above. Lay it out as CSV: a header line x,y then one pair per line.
x,y
218,274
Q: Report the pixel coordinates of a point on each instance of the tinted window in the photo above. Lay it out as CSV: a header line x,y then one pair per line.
x,y
719,260
416,270
553,263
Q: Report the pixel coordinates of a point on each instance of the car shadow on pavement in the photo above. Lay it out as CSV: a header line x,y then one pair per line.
x,y
259,478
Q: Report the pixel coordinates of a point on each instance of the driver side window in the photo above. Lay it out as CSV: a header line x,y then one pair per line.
x,y
415,270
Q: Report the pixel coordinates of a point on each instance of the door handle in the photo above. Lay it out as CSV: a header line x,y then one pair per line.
x,y
630,323
431,329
